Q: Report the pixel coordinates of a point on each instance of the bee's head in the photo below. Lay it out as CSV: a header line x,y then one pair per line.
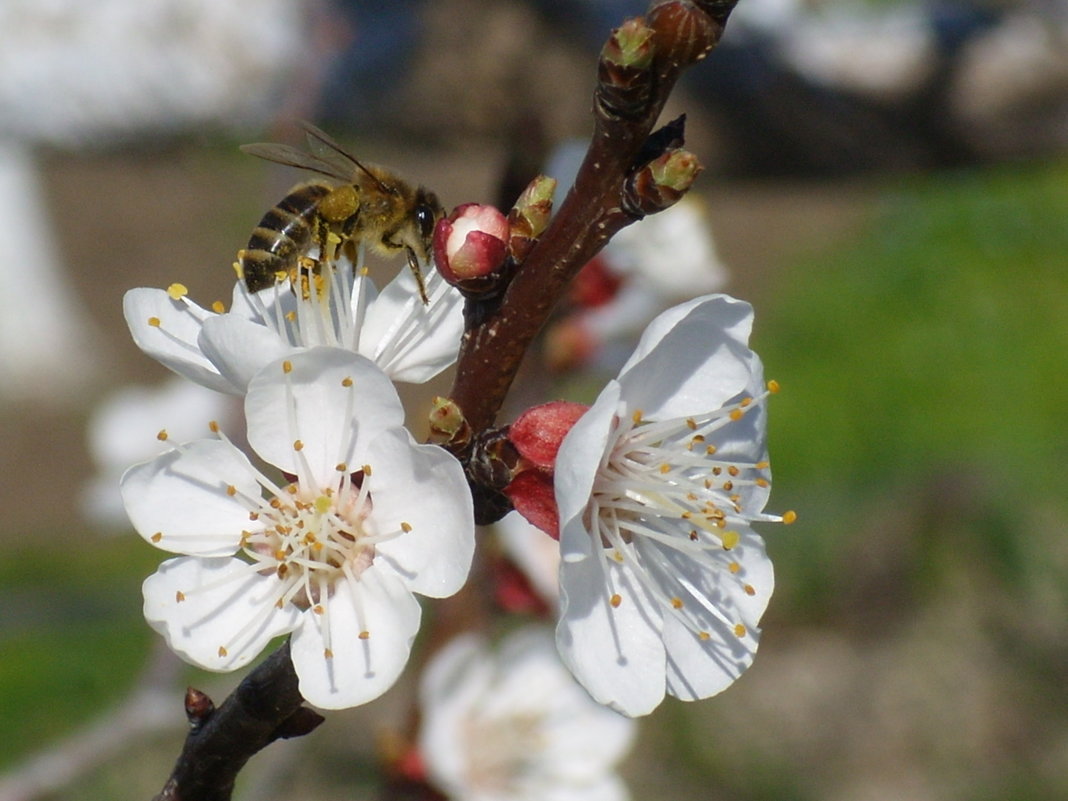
x,y
425,215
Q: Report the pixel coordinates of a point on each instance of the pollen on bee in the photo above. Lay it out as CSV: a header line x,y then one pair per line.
x,y
177,291
615,600
161,435
154,322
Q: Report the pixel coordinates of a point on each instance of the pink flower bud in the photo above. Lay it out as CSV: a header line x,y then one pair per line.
x,y
538,432
531,493
471,242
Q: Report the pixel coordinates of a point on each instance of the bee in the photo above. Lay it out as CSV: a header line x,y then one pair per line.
x,y
354,204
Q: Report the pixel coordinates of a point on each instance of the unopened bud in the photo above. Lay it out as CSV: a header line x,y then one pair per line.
x,y
530,215
630,45
470,243
685,33
538,432
660,183
447,422
624,74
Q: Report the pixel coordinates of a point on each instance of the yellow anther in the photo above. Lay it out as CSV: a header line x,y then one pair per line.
x,y
761,482
789,517
341,467
346,382
730,539
237,267
279,554
367,469
231,490
734,567
773,386
711,449
328,654
253,515
162,435
318,609
739,630
693,536
636,417
222,651
406,527
218,307
704,636
665,469
737,414
364,635
177,291
279,604
157,536
749,589
617,556
762,465
733,470
615,600
179,596
291,316
213,426
691,424
287,366
154,322
298,445
745,402
676,603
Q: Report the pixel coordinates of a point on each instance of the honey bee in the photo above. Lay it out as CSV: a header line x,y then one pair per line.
x,y
358,203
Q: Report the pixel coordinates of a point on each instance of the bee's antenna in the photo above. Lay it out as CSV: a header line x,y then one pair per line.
x,y
315,132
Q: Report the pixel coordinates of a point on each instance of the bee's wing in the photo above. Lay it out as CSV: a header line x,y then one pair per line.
x,y
291,157
329,151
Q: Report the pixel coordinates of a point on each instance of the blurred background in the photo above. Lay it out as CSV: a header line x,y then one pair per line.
x,y
887,183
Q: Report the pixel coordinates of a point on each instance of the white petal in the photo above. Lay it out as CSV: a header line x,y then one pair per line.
x,y
425,487
605,788
180,501
334,423
360,669
173,342
240,348
413,342
691,359
534,552
577,462
216,613
616,653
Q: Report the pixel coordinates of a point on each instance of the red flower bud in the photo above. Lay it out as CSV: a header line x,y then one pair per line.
x,y
531,493
471,242
538,432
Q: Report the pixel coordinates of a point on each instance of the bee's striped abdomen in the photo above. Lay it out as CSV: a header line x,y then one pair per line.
x,y
281,236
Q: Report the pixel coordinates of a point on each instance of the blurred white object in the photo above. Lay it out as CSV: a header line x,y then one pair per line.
x,y
515,726
46,346
534,552
74,71
122,431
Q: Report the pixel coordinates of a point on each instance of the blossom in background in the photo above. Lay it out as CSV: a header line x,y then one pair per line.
x,y
662,580
536,555
333,556
410,341
514,726
123,429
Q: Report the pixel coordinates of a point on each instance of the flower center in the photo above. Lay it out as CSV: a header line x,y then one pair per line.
x,y
673,498
311,539
503,749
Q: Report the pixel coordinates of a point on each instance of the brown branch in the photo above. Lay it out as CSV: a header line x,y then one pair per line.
x,y
266,706
630,95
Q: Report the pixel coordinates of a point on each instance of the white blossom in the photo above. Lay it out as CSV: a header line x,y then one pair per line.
x,y
410,341
333,553
663,581
514,726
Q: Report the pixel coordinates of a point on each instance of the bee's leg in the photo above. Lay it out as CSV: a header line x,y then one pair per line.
x,y
413,265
